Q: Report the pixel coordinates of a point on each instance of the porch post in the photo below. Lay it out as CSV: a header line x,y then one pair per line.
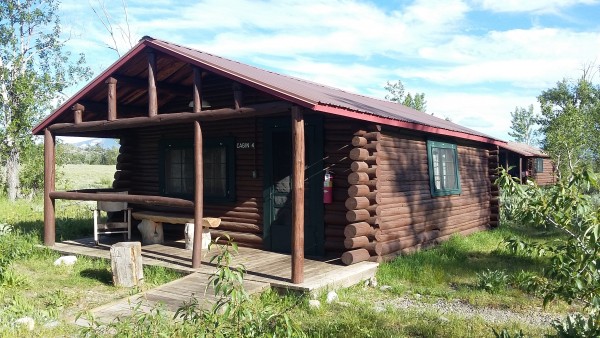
x,y
298,196
520,169
198,174
112,98
152,96
198,196
49,176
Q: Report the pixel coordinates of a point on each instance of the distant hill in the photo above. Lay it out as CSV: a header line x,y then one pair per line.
x,y
106,143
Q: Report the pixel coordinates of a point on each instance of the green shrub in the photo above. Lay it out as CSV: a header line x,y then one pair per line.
x,y
577,325
492,281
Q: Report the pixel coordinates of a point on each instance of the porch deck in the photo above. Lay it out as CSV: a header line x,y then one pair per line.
x,y
261,266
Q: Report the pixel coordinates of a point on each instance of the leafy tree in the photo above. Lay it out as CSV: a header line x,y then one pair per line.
x,y
34,69
570,122
522,125
573,273
397,94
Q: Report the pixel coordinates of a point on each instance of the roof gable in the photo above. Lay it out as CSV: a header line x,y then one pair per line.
x,y
305,93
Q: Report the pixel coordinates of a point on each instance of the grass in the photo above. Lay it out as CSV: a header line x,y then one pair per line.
x,y
32,286
85,176
449,272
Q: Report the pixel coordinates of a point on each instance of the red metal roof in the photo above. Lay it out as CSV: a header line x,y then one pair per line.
x,y
524,149
305,93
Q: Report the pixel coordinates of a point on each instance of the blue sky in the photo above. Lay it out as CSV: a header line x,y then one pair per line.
x,y
474,60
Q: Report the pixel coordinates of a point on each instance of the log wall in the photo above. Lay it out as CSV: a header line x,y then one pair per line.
x,y
390,207
138,172
337,134
547,176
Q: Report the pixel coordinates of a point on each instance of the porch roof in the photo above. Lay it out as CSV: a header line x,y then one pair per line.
x,y
311,95
524,149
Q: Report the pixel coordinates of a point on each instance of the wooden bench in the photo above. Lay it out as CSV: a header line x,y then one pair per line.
x,y
152,229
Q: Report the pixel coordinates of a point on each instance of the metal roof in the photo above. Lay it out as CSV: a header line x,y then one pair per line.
x,y
308,94
524,149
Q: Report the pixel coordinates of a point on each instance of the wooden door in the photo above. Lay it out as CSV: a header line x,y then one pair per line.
x,y
277,230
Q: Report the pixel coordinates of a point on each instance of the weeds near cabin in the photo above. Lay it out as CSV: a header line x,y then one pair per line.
x,y
234,314
492,280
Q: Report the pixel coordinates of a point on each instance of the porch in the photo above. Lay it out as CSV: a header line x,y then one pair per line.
x,y
271,268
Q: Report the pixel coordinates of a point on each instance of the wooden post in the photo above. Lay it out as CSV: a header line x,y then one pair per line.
x,y
520,169
78,110
197,90
126,264
112,98
152,96
297,196
49,176
198,196
237,95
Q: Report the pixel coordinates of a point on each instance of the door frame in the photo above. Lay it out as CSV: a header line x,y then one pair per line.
x,y
314,173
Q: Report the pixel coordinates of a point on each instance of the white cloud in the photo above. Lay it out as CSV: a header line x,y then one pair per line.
x,y
537,6
357,46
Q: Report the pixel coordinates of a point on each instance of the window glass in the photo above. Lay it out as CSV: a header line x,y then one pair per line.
x,y
443,168
218,169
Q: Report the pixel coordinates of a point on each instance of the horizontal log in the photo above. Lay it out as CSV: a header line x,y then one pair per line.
x,y
238,237
164,119
383,248
240,227
356,242
361,154
358,178
355,256
402,232
358,229
393,223
361,166
353,203
360,190
359,141
386,209
113,197
360,214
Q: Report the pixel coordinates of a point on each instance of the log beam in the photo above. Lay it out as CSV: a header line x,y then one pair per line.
x,y
152,96
198,192
49,180
113,197
298,196
173,118
112,98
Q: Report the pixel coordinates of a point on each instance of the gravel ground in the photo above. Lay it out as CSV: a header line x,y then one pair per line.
x,y
458,308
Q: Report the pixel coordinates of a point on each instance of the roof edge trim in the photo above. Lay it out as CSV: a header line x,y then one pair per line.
x,y
403,124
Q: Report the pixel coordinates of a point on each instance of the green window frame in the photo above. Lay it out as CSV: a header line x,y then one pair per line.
x,y
538,165
177,169
444,177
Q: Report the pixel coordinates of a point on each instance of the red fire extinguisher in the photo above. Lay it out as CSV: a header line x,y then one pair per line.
x,y
328,187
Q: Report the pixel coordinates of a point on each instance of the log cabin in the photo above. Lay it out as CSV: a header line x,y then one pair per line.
x,y
527,162
288,165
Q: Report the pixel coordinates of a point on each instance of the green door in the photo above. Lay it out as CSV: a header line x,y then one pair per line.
x,y
278,186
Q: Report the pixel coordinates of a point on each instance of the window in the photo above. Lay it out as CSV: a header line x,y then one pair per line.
x,y
177,169
539,165
442,160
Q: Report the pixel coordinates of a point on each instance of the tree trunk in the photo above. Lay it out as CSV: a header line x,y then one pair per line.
x,y
12,173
